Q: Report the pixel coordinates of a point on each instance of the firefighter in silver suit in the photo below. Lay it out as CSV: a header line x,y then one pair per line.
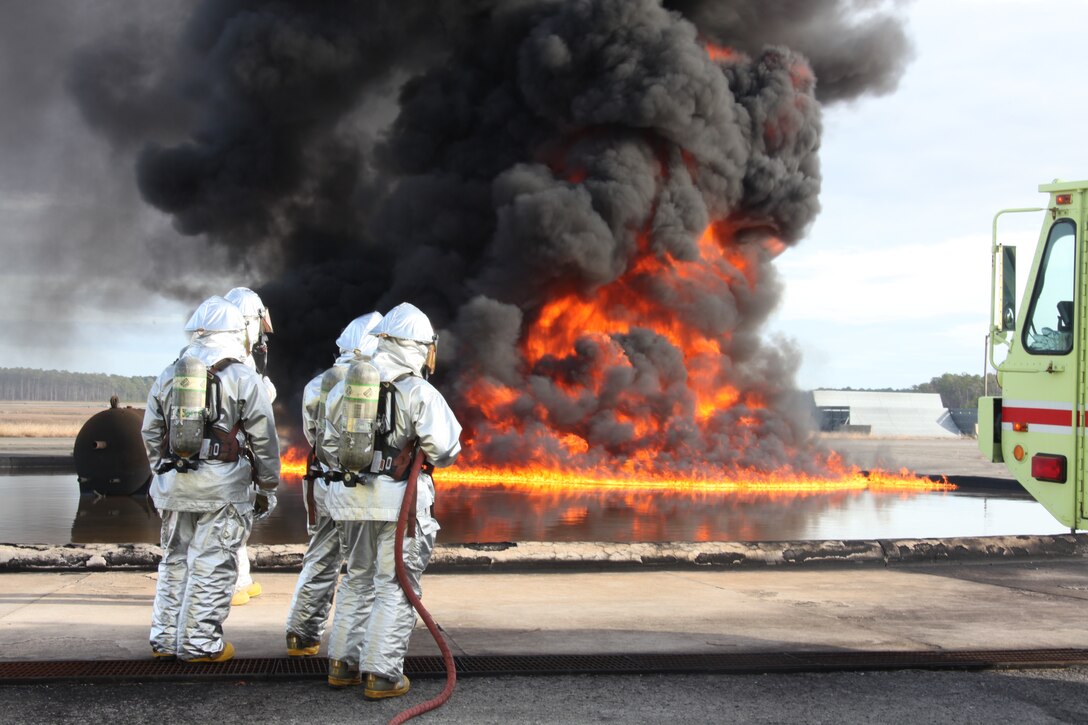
x,y
205,499
258,327
321,562
374,619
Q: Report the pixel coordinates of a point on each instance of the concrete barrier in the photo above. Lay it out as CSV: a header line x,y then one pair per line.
x,y
595,556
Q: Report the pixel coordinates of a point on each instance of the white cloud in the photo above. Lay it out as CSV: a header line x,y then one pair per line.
x,y
886,284
891,287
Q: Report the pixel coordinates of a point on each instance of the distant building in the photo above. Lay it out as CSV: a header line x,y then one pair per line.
x,y
884,414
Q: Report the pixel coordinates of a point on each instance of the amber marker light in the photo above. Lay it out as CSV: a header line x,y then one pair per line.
x,y
1063,199
1018,453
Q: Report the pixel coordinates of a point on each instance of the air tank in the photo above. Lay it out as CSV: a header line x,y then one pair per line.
x,y
187,402
359,413
329,380
109,452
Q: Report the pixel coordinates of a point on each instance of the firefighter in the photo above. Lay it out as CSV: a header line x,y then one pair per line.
x,y
374,618
203,489
258,326
321,563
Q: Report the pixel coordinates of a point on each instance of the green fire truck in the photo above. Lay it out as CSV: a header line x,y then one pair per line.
x,y
1037,427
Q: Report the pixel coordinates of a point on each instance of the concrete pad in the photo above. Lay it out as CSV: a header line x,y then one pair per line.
x,y
1006,605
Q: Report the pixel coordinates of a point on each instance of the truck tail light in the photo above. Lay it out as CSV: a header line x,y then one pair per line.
x,y
1048,467
1063,199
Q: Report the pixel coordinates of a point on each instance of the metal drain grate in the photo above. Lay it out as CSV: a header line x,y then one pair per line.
x,y
491,665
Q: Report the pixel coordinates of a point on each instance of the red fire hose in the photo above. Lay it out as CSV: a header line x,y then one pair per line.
x,y
406,523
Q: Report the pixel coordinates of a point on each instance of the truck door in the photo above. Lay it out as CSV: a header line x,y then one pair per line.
x,y
1042,420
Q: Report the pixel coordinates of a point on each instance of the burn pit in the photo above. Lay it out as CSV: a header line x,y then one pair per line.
x,y
586,197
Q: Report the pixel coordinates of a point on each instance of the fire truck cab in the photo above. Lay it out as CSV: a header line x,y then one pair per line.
x,y
1037,427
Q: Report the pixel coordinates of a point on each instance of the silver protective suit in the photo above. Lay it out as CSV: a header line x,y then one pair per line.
x,y
321,563
207,513
374,618
252,308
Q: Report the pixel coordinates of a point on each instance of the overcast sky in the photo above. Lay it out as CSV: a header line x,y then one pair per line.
x,y
891,286
889,289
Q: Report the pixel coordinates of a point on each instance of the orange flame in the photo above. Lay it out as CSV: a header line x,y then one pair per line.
x,y
293,461
554,456
774,482
720,52
717,265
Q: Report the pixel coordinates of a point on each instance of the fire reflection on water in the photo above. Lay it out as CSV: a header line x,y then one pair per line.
x,y
491,512
479,510
539,504
49,510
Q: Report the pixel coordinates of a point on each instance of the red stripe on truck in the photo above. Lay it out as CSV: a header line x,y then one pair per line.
x,y
1038,416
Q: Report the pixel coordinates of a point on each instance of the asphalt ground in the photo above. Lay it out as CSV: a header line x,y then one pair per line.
x,y
1017,697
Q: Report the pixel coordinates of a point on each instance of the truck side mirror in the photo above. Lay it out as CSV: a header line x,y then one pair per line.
x,y
1008,288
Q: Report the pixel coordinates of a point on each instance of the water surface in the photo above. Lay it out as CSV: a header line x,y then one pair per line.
x,y
48,509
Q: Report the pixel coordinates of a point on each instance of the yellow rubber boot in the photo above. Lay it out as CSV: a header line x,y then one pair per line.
x,y
239,598
341,674
379,688
225,654
253,590
299,647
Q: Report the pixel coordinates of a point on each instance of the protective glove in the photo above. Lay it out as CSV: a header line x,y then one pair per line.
x,y
264,505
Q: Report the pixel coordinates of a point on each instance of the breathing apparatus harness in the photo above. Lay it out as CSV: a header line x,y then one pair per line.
x,y
366,451
195,406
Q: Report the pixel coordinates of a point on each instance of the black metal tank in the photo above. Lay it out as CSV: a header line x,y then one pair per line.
x,y
109,452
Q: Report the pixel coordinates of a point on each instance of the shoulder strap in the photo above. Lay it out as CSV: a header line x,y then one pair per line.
x,y
389,460
214,393
223,364
387,403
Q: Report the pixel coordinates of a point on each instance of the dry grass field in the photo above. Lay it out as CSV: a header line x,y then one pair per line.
x,y
40,419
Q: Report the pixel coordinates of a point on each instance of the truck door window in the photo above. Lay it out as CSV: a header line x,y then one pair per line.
x,y
1049,326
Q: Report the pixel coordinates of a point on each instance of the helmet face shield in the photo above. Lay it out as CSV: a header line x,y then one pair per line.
x,y
432,356
266,322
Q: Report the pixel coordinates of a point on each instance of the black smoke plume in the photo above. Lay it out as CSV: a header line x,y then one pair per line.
x,y
481,159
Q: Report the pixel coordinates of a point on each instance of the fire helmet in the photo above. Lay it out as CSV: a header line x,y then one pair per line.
x,y
359,334
249,302
216,314
407,322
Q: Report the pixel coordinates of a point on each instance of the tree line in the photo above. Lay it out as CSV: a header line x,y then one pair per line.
x,y
956,391
960,391
61,385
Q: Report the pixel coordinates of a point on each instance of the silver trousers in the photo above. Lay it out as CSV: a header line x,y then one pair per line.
x,y
374,619
316,582
244,577
196,579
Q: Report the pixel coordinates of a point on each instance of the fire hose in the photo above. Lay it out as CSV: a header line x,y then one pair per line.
x,y
406,523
